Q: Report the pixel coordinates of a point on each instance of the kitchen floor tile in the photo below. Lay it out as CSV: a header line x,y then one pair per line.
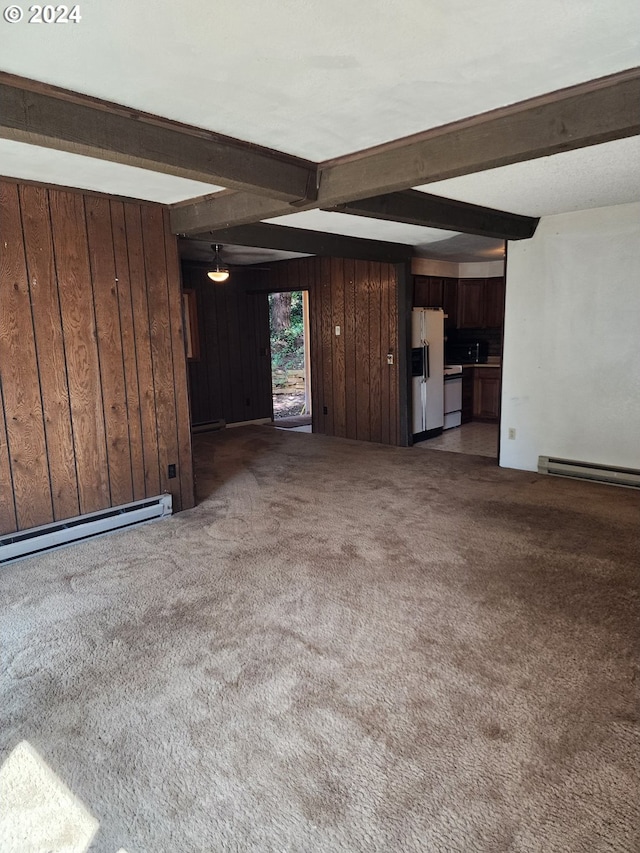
x,y
475,439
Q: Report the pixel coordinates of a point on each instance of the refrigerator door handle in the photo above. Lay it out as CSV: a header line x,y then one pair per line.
x,y
426,361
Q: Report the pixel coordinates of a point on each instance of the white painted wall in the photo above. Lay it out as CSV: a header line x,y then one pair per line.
x,y
481,269
431,266
571,370
450,269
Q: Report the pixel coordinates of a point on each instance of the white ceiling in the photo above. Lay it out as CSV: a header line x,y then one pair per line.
x,y
197,250
598,176
32,163
324,78
361,226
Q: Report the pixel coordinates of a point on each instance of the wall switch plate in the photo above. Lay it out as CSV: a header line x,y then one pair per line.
x,y
389,358
337,330
172,472
511,433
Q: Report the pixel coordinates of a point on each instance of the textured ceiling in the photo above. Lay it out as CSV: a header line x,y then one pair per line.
x,y
325,78
197,250
426,242
32,163
361,226
598,176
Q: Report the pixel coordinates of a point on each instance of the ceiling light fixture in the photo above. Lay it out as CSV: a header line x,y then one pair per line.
x,y
220,271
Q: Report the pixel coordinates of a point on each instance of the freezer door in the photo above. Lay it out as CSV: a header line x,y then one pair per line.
x,y
434,392
418,405
417,327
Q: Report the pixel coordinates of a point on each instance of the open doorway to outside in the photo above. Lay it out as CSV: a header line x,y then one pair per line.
x,y
290,359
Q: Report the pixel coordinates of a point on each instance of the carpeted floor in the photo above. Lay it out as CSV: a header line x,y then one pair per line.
x,y
344,647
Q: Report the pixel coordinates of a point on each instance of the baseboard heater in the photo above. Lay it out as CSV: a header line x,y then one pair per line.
x,y
629,477
38,539
209,426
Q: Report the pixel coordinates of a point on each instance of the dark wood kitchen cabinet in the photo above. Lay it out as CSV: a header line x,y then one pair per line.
x,y
427,291
486,393
481,303
471,294
494,293
431,291
467,393
469,303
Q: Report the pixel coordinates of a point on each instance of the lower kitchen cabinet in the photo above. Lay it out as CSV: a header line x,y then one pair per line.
x,y
467,394
486,393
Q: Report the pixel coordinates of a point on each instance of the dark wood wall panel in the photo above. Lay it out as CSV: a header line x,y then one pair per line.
x,y
129,354
355,393
81,349
161,344
354,390
231,380
143,355
336,275
8,521
181,390
21,380
47,328
92,362
110,355
363,403
376,354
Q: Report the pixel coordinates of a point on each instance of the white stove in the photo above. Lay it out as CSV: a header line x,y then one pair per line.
x,y
452,395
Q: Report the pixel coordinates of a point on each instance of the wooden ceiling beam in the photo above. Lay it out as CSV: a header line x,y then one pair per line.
x,y
430,211
587,114
66,121
265,235
225,210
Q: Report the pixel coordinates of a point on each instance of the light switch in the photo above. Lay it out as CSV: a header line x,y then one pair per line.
x,y
337,330
389,358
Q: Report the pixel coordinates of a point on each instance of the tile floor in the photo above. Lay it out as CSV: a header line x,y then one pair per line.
x,y
475,439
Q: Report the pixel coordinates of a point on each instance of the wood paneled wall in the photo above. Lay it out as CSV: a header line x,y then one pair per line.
x,y
231,379
93,383
355,393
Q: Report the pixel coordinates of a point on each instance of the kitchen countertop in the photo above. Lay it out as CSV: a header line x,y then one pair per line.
x,y
487,364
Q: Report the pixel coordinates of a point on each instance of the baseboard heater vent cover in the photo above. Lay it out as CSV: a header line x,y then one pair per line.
x,y
629,477
14,546
209,426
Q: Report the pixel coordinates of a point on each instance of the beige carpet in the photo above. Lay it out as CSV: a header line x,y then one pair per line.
x,y
345,647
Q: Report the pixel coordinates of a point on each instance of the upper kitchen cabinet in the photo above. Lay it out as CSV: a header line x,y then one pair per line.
x,y
494,293
428,291
437,292
471,303
468,303
480,303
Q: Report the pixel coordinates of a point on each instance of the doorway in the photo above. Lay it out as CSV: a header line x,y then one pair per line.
x,y
290,359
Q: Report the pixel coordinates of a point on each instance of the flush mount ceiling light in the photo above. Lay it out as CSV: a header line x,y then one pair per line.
x,y
220,271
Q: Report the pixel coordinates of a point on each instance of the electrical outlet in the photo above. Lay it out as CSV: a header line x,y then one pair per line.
x,y
172,472
511,433
325,410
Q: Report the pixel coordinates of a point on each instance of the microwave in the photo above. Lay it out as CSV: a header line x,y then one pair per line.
x,y
472,352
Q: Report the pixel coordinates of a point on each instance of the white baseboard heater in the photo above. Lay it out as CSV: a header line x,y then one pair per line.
x,y
588,471
13,546
209,426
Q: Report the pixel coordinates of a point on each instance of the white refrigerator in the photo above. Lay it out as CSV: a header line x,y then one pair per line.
x,y
427,372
